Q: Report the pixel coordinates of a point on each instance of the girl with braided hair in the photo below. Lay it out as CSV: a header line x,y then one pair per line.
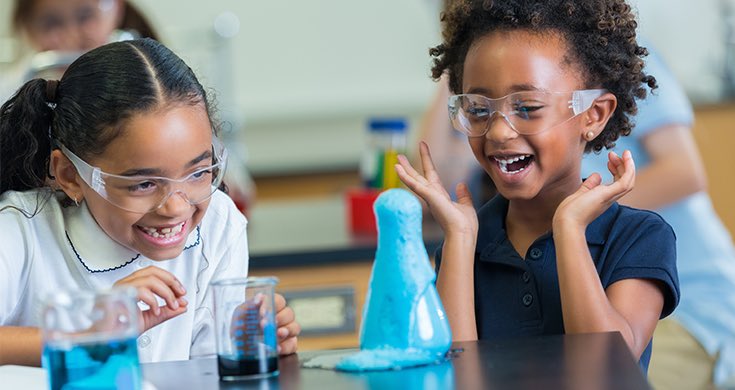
x,y
129,138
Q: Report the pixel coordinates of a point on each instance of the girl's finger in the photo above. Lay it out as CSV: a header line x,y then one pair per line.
x,y
290,330
612,156
158,287
628,169
151,319
628,161
279,302
615,164
463,195
149,299
410,182
427,164
285,316
288,346
591,182
163,275
429,194
409,169
166,277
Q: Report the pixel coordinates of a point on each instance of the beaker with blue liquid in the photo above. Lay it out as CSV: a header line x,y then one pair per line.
x,y
89,340
245,319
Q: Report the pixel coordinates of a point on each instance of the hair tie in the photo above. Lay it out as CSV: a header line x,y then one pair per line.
x,y
51,87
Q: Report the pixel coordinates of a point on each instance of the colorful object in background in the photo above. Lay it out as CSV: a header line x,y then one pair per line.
x,y
360,216
404,324
387,139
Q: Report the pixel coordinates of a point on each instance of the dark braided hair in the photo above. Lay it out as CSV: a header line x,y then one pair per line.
x,y
600,34
89,107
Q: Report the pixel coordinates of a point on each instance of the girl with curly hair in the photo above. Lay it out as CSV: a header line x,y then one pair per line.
x,y
537,84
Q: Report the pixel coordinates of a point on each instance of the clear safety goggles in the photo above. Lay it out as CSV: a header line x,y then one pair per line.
x,y
526,112
143,194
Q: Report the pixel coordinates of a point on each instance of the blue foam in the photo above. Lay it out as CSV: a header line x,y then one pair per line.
x,y
403,322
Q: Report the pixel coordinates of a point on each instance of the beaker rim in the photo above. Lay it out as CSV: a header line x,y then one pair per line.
x,y
248,281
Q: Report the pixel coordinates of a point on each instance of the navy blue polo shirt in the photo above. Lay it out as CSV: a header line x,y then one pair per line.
x,y
516,296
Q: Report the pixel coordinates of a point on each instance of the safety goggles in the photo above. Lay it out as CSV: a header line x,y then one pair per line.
x,y
526,112
143,194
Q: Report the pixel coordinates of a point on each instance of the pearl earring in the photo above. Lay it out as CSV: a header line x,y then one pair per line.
x,y
590,135
76,202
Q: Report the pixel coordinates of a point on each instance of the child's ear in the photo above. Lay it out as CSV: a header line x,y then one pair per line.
x,y
66,175
598,114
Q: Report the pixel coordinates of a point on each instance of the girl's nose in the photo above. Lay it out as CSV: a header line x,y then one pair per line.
x,y
177,203
500,129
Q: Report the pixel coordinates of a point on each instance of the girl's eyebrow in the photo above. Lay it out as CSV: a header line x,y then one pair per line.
x,y
513,88
200,158
158,172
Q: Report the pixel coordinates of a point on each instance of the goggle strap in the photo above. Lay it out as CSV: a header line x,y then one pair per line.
x,y
98,183
582,100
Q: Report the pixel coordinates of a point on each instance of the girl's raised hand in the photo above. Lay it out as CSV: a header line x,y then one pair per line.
x,y
454,217
593,197
150,282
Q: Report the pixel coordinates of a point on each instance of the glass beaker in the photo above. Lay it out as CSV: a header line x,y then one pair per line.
x,y
89,339
245,319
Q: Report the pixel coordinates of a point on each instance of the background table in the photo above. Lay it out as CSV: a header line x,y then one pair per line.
x,y
584,361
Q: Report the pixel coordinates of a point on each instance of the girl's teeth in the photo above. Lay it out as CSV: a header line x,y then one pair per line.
x,y
503,163
504,168
512,160
163,233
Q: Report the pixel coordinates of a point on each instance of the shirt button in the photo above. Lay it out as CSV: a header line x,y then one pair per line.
x,y
536,253
526,277
143,341
527,300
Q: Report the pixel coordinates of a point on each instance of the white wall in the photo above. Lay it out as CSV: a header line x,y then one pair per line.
x,y
692,37
307,74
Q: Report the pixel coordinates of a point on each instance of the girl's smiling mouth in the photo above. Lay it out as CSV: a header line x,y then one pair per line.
x,y
512,165
164,235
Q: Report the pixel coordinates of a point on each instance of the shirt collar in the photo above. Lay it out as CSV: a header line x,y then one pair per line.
x,y
94,249
492,241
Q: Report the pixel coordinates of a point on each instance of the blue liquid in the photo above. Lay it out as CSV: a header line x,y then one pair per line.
x,y
235,367
94,365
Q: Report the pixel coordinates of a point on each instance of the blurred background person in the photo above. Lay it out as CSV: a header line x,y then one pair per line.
x,y
77,25
695,347
56,32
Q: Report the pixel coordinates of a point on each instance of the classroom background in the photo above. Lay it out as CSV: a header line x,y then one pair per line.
x,y
296,82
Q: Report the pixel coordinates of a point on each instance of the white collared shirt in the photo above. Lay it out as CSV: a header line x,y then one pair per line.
x,y
64,248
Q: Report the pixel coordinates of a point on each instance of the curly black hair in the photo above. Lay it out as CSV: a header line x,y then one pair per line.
x,y
600,34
